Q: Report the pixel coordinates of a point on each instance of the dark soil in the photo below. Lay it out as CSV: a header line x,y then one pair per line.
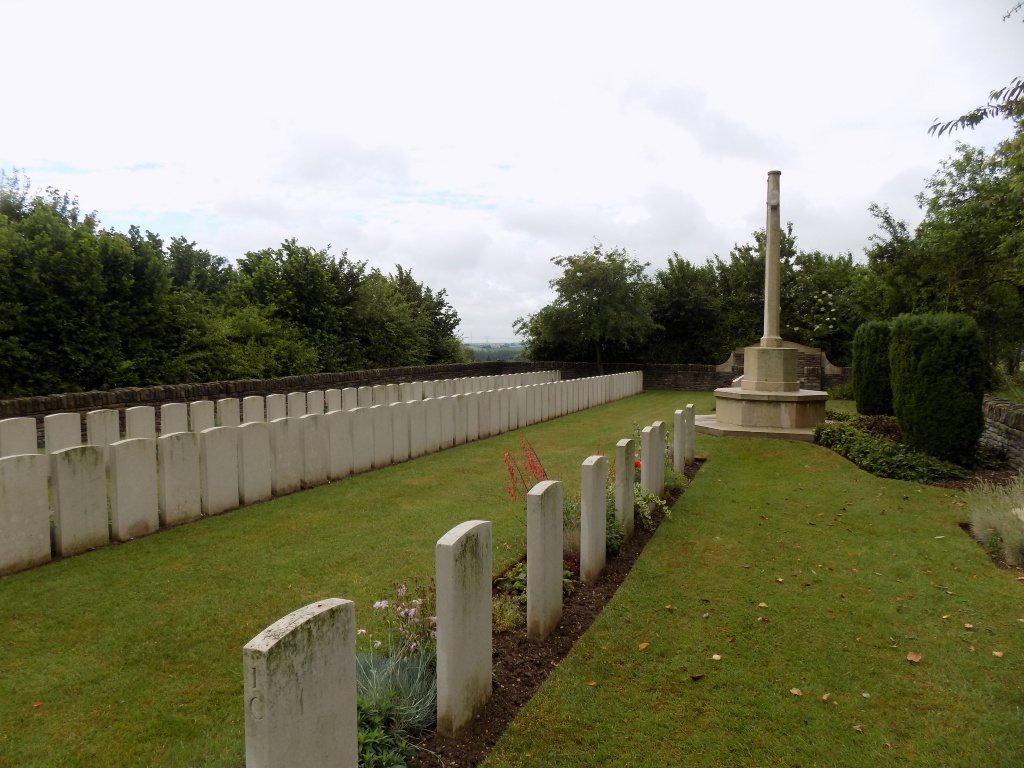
x,y
1000,476
521,665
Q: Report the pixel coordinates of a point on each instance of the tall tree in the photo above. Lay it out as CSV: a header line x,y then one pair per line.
x,y
601,309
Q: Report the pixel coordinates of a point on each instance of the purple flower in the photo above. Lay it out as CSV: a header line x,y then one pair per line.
x,y
400,591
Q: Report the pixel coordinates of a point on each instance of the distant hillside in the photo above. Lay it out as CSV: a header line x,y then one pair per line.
x,y
483,353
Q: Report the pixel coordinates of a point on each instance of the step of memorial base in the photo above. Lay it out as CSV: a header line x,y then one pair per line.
x,y
708,425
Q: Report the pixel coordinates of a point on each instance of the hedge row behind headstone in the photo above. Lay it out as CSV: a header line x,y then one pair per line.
x,y
937,371
871,386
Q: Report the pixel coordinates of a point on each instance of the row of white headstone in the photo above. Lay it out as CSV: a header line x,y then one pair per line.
x,y
301,671
182,475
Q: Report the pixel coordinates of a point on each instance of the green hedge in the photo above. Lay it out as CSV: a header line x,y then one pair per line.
x,y
871,386
937,370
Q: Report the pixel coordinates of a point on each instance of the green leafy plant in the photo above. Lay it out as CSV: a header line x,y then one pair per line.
x,y
505,614
882,457
645,502
513,582
377,745
870,381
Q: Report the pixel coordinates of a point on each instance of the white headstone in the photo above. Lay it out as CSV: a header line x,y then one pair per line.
x,y
690,434
379,395
201,415
472,416
300,689
316,450
24,512
139,422
349,399
432,409
254,463
18,436
625,472
593,517
362,440
277,407
173,418
315,402
62,430
133,489
504,404
417,390
252,409
390,394
286,461
405,391
460,411
463,578
399,418
659,451
227,412
543,559
333,398
447,406
218,462
296,404
339,435
79,499
180,495
383,455
364,397
417,428
648,459
102,428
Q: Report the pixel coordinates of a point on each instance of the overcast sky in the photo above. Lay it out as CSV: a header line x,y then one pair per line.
x,y
473,142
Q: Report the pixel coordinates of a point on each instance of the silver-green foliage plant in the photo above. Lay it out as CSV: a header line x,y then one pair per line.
x,y
402,689
997,518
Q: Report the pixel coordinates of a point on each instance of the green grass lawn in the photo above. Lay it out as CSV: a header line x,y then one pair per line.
x,y
800,572
131,655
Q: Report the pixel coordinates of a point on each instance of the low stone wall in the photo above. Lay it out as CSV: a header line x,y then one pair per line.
x,y
1004,429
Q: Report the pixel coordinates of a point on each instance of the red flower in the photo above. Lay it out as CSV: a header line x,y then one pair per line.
x,y
636,464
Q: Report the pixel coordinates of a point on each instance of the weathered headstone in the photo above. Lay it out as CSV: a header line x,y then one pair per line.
x,y
201,415
173,418
333,399
218,462
379,394
593,518
24,512
133,489
399,418
659,450
383,455
296,404
432,408
62,430
253,410
315,402
349,398
447,407
364,397
625,471
390,394
339,435
316,449
362,440
254,463
690,436
102,428
18,436
463,578
417,428
180,498
648,473
79,499
543,559
460,412
286,460
300,689
227,412
139,422
277,407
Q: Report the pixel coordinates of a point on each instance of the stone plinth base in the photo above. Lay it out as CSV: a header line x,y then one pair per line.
x,y
772,415
770,369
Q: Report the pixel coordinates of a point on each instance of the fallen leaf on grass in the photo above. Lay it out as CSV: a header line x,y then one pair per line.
x,y
37,704
643,645
998,654
779,580
695,678
762,605
825,697
968,626
796,691
913,657
866,695
859,728
592,683
718,657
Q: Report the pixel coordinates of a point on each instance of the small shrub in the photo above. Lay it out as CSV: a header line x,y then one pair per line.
x,y
512,583
938,375
675,482
614,536
378,746
879,426
997,518
644,502
870,380
842,391
505,614
882,457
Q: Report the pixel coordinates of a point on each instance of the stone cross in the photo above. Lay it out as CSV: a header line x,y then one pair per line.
x,y
773,233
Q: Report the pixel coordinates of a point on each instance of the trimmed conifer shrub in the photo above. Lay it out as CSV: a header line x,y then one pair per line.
x,y
871,387
937,369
